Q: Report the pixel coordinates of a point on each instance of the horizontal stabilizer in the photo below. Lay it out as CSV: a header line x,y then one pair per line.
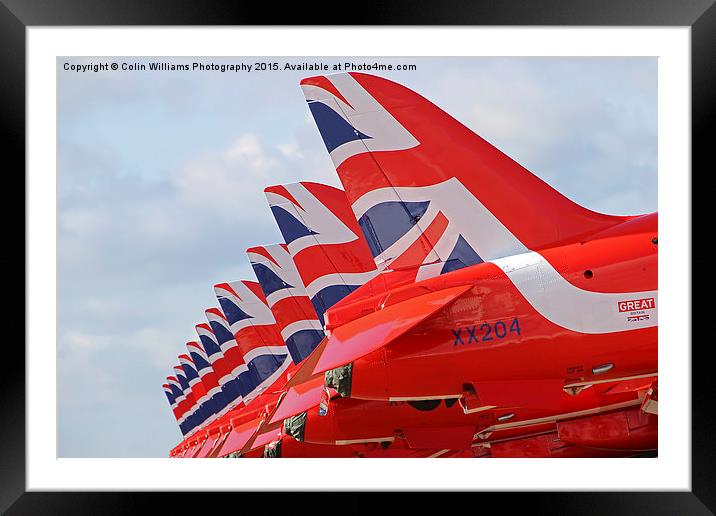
x,y
216,450
239,436
301,398
212,438
267,433
357,338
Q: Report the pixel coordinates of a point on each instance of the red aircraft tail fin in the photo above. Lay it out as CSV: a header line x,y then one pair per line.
x,y
427,191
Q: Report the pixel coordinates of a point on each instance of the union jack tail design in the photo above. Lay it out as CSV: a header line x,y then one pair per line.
x,y
208,376
429,194
183,405
324,240
225,356
287,298
191,413
255,331
174,395
198,390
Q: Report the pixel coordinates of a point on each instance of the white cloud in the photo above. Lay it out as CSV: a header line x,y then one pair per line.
x,y
247,147
290,150
75,341
80,222
230,182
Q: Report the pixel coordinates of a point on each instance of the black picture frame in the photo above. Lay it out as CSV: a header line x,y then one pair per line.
x,y
700,15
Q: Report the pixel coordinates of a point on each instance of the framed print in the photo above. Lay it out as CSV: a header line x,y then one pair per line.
x,y
443,221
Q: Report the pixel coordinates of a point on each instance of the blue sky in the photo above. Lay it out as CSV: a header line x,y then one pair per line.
x,y
160,180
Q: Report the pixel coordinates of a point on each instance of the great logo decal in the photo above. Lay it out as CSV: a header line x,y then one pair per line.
x,y
636,308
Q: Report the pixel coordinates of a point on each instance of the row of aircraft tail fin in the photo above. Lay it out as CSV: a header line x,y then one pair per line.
x,y
422,196
260,328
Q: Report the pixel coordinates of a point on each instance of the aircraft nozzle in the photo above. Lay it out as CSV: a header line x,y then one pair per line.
x,y
295,426
340,379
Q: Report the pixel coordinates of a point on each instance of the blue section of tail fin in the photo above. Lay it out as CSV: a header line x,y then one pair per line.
x,y
245,383
461,256
176,392
182,380
232,312
329,296
190,372
222,335
291,228
263,366
199,361
233,390
386,222
301,343
269,281
334,129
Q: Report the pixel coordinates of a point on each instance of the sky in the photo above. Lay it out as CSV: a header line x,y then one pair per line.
x,y
160,191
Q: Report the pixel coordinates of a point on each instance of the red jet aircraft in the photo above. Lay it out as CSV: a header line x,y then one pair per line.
x,y
505,320
536,314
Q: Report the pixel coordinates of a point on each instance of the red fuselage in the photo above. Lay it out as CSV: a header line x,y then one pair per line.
x,y
516,369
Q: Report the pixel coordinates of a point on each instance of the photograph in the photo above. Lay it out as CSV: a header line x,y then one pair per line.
x,y
357,257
